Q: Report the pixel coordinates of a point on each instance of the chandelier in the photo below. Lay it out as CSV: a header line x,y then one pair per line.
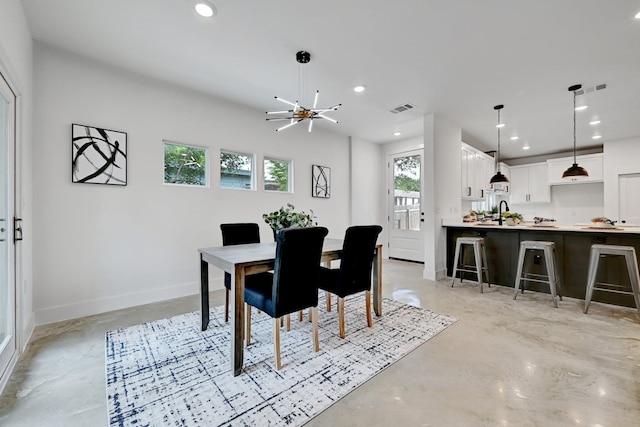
x,y
299,113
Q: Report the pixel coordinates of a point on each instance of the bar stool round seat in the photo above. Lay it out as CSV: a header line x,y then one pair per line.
x,y
629,253
551,277
480,259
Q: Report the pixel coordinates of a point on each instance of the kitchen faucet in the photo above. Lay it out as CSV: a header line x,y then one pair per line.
x,y
506,209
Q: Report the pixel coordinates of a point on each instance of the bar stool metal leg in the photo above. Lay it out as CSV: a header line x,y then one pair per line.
x,y
521,254
477,253
456,259
551,274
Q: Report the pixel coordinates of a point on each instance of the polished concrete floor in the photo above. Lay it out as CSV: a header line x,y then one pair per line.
x,y
504,363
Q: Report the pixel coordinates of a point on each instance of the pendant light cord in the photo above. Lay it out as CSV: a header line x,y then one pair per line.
x,y
498,158
574,127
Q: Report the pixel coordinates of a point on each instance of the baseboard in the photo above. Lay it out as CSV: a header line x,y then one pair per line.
x,y
434,275
103,305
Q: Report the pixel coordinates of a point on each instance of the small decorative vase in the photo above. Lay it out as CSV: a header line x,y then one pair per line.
x,y
510,221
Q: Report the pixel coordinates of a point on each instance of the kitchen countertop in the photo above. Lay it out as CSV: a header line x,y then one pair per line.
x,y
586,227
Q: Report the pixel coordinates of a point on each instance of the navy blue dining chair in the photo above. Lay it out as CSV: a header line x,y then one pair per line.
x,y
238,234
354,274
293,285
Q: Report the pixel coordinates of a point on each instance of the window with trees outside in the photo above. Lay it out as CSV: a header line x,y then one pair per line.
x,y
236,170
277,175
185,165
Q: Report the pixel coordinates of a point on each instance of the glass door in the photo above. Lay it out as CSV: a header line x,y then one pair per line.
x,y
405,204
7,283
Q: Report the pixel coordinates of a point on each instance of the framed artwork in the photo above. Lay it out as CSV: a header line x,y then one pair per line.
x,y
98,156
320,181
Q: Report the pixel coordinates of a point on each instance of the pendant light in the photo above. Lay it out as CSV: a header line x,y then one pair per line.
x,y
574,172
498,178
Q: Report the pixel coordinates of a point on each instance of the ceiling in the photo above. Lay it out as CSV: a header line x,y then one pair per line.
x,y
456,59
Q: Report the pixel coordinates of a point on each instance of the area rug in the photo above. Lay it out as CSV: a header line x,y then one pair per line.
x,y
169,373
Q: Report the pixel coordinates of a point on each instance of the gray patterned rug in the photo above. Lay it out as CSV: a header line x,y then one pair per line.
x,y
169,373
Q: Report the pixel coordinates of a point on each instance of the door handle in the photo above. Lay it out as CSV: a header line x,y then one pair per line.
x,y
2,229
17,229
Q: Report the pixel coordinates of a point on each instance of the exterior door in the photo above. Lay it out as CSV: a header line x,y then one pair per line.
x,y
405,206
8,346
629,188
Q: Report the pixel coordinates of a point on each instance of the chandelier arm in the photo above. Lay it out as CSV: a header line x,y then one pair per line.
x,y
326,118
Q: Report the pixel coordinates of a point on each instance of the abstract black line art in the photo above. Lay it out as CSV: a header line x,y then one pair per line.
x,y
320,181
98,156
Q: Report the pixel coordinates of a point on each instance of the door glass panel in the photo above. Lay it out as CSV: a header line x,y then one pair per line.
x,y
406,192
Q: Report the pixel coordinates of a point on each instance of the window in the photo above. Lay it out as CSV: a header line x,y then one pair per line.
x,y
277,175
186,165
236,170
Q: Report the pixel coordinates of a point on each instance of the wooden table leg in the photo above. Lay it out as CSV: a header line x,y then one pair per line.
x,y
377,282
204,294
237,321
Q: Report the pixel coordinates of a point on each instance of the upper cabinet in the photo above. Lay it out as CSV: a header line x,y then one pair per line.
x,y
591,162
529,184
477,168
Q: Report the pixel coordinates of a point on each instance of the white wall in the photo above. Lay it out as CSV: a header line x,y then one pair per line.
x,y
442,145
367,183
16,63
620,158
100,248
570,204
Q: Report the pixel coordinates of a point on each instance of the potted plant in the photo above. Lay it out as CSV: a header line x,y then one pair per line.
x,y
287,217
512,218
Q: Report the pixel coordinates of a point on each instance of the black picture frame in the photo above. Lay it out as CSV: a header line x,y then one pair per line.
x,y
98,155
320,181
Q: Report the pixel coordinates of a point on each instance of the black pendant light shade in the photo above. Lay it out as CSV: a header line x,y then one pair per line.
x,y
498,178
575,172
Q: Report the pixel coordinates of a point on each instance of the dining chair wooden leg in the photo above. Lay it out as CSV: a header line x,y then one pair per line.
x,y
247,327
310,315
316,341
341,316
300,315
328,297
367,300
226,307
288,322
276,342
281,322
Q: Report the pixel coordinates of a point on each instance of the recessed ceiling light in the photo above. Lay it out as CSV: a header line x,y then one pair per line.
x,y
359,89
500,125
525,147
596,137
638,15
594,122
582,107
206,9
515,138
396,133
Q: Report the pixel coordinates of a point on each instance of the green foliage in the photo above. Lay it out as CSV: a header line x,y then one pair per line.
x,y
405,169
514,215
288,218
279,173
184,165
230,162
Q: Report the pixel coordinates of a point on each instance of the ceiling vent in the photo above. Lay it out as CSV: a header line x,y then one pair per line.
x,y
591,89
402,108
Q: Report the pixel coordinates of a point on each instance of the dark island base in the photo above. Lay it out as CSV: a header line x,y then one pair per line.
x,y
572,252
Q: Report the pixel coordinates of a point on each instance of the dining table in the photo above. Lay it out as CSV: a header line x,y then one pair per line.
x,y
243,260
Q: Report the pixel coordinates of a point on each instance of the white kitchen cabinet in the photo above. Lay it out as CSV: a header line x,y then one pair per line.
x,y
476,168
591,162
529,184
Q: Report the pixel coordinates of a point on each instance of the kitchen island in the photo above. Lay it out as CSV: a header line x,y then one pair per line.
x,y
573,245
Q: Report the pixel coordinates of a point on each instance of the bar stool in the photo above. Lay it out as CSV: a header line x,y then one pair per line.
x,y
480,259
549,251
629,253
